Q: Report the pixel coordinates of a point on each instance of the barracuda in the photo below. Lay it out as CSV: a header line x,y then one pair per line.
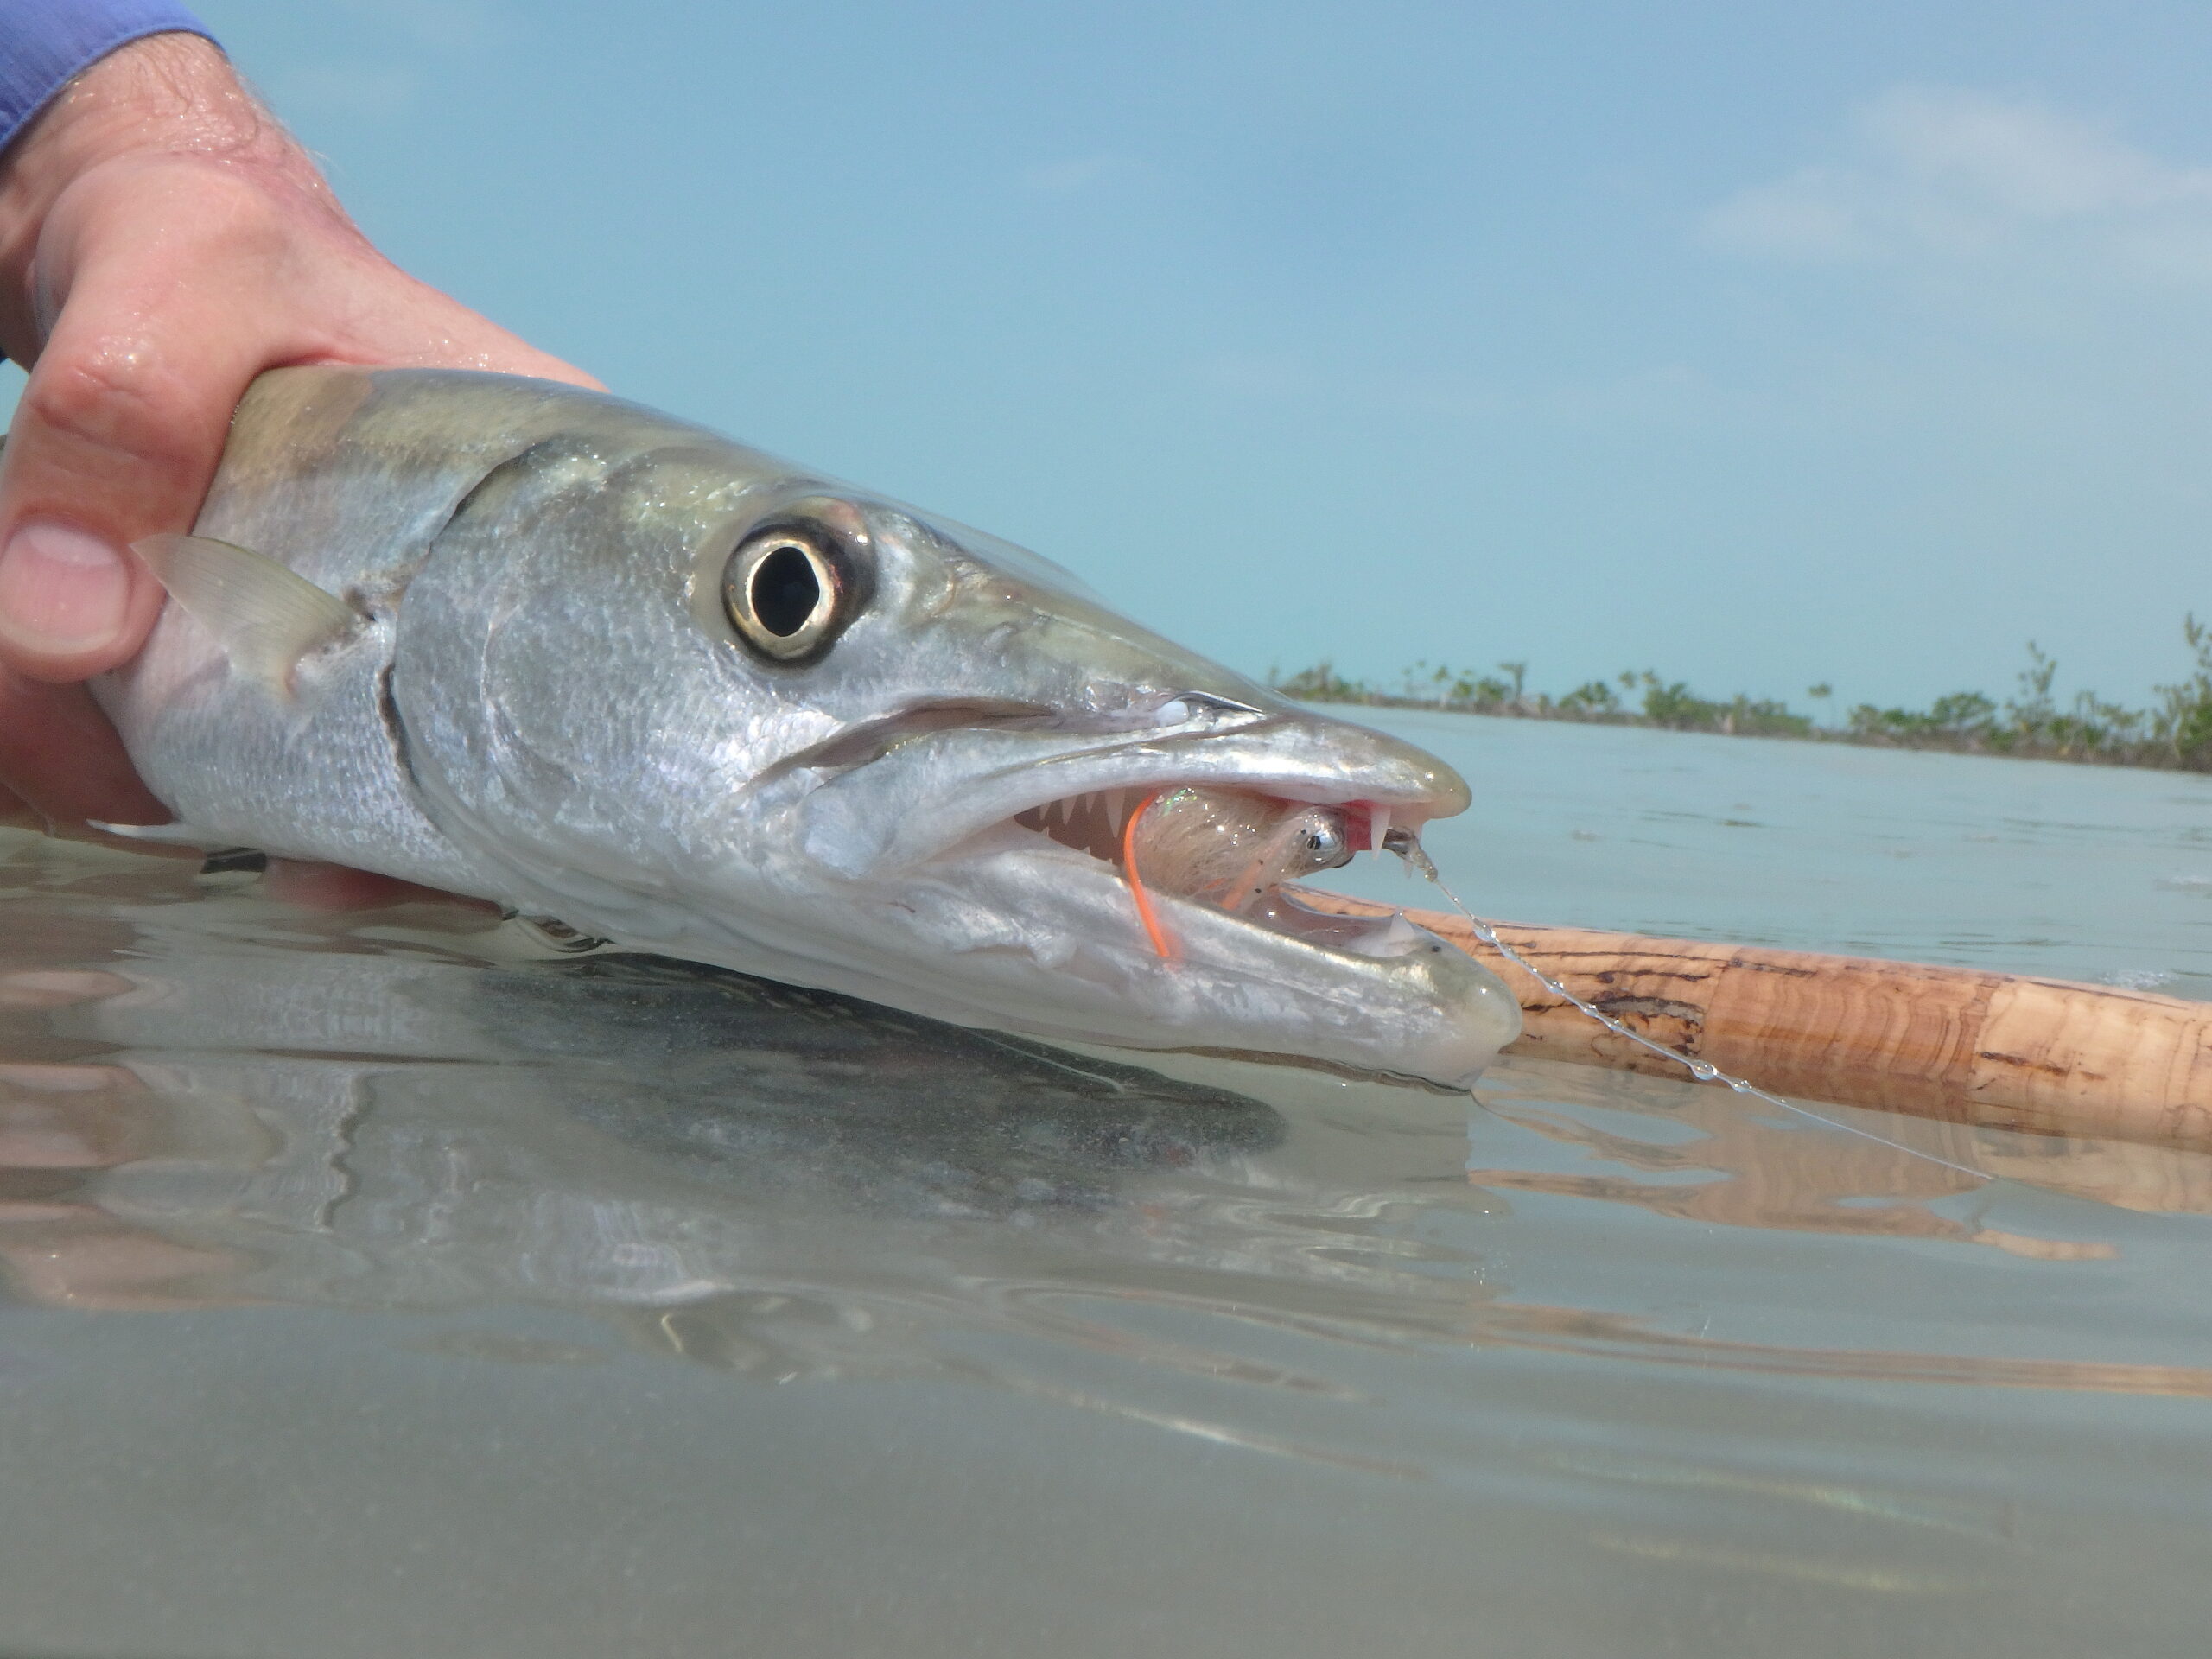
x,y
548,648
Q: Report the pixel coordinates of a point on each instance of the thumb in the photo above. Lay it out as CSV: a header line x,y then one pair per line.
x,y
117,434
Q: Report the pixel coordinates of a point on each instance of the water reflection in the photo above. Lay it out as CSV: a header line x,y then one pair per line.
x,y
208,1108
487,1261
396,1130
1698,1154
1739,1168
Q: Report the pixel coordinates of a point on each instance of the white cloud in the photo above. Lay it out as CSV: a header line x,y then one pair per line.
x,y
1956,175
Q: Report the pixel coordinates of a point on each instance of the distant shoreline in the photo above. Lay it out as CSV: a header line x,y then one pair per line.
x,y
2174,734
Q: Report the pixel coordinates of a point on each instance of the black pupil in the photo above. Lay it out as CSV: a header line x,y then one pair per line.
x,y
786,590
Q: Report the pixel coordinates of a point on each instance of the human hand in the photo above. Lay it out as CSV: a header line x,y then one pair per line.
x,y
163,241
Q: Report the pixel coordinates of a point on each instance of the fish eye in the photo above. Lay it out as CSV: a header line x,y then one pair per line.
x,y
785,593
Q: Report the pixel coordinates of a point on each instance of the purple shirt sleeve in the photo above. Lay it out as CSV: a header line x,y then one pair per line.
x,y
44,42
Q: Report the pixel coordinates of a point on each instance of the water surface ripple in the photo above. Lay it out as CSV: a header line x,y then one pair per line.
x,y
382,1282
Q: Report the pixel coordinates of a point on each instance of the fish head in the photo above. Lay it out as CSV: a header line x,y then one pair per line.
x,y
683,695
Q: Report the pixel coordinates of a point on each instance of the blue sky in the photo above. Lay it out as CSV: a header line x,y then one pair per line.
x,y
1766,344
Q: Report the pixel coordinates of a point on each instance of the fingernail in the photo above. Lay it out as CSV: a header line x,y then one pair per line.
x,y
62,590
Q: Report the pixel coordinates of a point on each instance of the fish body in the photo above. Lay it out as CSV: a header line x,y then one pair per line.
x,y
545,647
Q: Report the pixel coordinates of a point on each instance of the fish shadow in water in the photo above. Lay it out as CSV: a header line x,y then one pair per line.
x,y
698,1155
750,1084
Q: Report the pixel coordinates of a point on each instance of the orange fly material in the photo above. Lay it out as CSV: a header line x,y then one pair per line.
x,y
1160,942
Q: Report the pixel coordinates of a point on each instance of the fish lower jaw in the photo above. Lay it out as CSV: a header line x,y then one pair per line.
x,y
1034,936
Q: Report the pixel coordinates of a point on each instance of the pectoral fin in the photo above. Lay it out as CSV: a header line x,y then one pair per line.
x,y
268,617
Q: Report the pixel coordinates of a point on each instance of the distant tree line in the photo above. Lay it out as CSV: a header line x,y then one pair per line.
x,y
2175,732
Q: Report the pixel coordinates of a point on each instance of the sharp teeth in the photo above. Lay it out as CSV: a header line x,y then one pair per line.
x,y
1092,823
1098,826
1380,828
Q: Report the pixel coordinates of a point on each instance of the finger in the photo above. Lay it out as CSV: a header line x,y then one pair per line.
x,y
61,759
378,316
334,887
16,813
124,419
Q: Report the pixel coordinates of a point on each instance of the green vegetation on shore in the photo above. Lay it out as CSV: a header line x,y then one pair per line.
x,y
2176,732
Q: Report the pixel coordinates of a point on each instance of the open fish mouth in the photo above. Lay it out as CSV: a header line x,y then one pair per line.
x,y
1142,891
1162,913
1180,845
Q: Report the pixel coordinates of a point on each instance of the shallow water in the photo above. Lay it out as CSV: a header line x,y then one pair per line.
x,y
2092,873
381,1283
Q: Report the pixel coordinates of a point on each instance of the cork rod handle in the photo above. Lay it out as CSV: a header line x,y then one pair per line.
x,y
1999,1050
